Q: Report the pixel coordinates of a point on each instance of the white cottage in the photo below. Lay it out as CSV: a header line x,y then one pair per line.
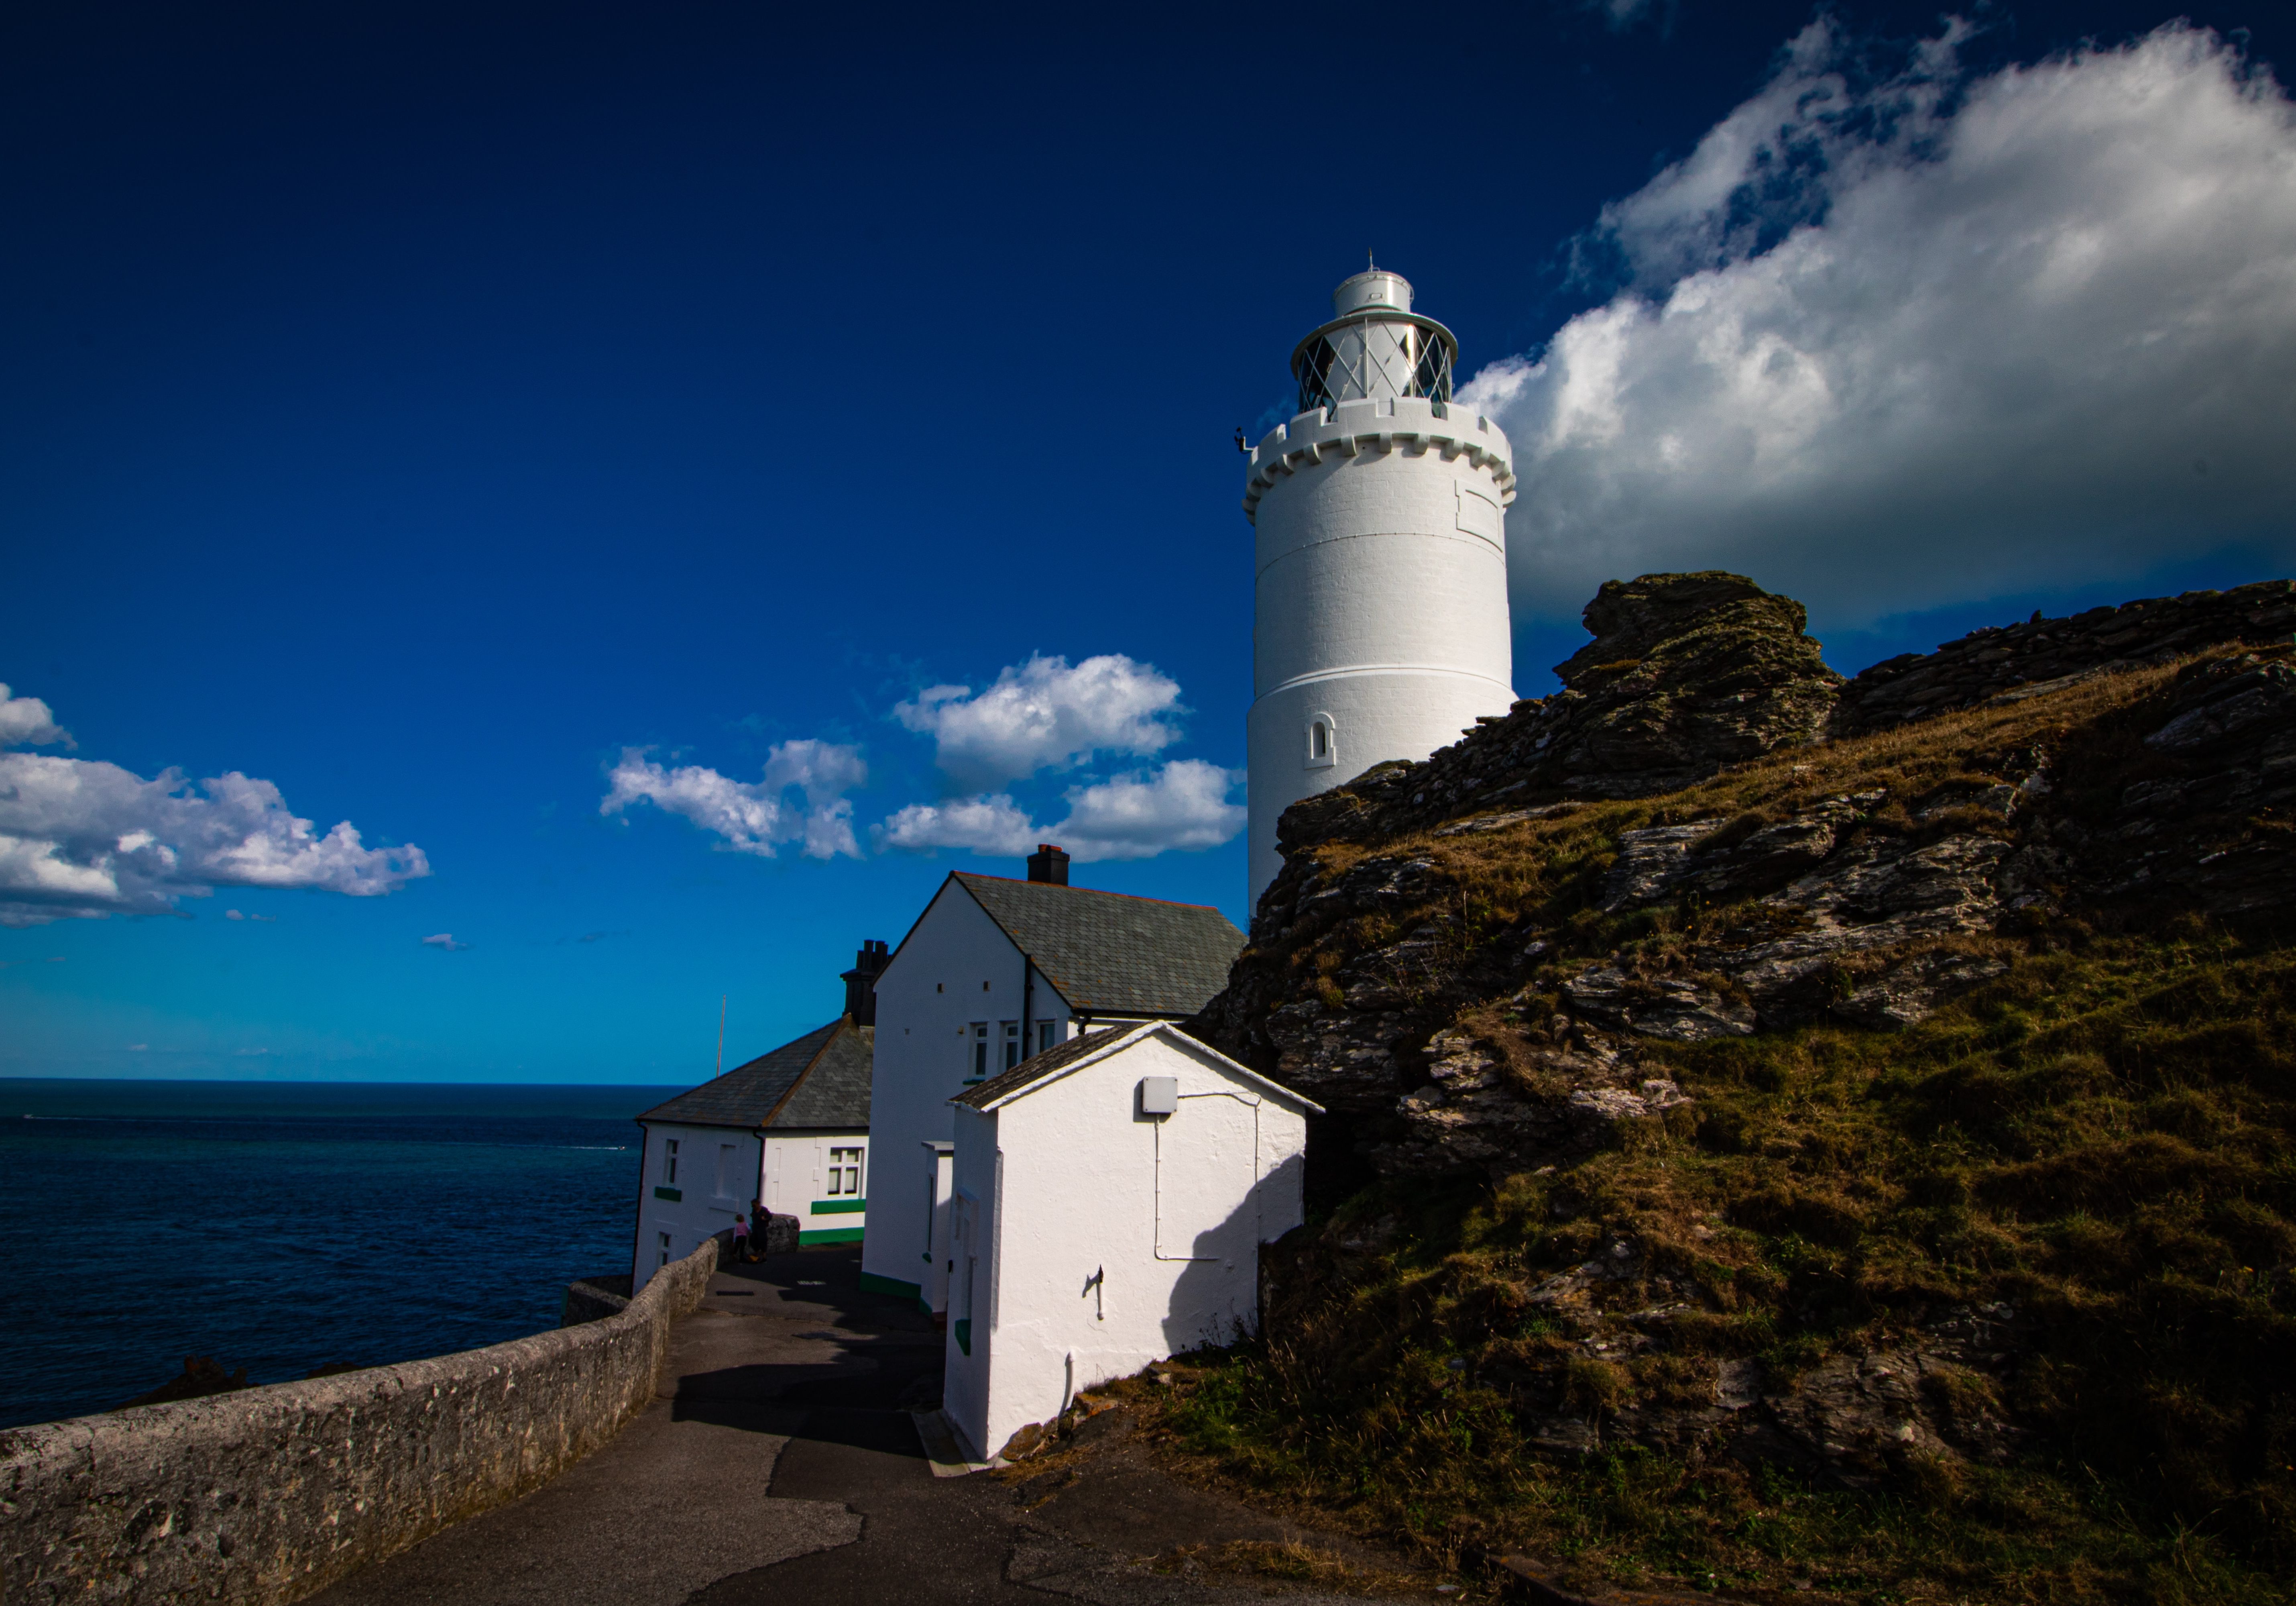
x,y
992,971
1110,1195
789,1130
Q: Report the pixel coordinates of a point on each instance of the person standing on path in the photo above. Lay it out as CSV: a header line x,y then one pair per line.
x,y
742,1238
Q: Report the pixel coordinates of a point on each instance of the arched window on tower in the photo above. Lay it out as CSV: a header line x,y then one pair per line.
x,y
1322,742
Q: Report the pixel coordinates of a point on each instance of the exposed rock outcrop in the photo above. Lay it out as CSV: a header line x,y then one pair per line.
x,y
1686,674
1550,955
1870,907
2036,656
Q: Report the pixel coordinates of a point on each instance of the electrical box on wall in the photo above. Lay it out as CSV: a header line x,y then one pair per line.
x,y
1159,1095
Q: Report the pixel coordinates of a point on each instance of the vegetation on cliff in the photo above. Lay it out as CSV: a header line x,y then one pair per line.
x,y
1871,1168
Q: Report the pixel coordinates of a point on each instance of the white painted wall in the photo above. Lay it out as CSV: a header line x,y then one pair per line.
x,y
716,1177
1380,595
797,1181
1101,1240
957,967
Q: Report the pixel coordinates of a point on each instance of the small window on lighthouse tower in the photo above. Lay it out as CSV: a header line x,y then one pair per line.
x,y
1322,742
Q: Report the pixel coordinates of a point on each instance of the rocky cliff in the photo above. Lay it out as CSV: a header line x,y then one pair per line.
x,y
1888,1085
2043,653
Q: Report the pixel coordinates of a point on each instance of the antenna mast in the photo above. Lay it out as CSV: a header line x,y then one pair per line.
x,y
721,1033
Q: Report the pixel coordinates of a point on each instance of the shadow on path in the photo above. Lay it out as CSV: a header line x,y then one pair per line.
x,y
1079,1528
779,1464
684,1495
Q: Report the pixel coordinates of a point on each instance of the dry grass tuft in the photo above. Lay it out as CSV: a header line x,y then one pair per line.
x,y
1292,1563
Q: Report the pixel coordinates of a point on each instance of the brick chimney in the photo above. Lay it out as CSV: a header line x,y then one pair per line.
x,y
861,983
1049,865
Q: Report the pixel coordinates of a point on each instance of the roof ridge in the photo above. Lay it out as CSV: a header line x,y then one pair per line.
x,y
836,1030
1098,891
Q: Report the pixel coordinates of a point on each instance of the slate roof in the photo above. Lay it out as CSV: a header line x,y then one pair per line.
x,y
836,1092
820,1080
1110,953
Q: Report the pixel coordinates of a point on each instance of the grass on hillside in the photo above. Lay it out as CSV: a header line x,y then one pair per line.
x,y
2104,1138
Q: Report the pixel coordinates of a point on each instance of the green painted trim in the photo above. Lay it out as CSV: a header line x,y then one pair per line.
x,y
672,1194
871,1283
963,1326
830,1235
839,1207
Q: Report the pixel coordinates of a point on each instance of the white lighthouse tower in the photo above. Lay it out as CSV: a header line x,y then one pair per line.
x,y
1380,627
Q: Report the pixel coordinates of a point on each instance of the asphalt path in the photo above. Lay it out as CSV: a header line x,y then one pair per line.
x,y
780,1463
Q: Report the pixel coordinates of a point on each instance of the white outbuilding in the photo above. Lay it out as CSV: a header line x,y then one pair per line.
x,y
992,971
1110,1198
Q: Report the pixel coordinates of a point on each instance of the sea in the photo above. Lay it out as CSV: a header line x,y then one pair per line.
x,y
284,1226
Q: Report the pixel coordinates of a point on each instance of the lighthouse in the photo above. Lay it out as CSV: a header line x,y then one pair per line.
x,y
1380,609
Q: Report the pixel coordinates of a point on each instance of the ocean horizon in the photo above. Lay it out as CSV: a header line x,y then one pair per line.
x,y
281,1226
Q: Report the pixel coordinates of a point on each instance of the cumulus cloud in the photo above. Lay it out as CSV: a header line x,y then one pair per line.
x,y
444,943
1180,805
1890,340
26,723
753,817
81,839
1046,714
233,914
994,826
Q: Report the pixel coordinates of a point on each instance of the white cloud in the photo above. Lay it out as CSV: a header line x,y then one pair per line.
x,y
1887,345
1181,805
755,817
1045,714
26,723
993,825
444,943
80,839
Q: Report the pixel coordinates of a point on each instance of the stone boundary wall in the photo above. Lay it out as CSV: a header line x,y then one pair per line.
x,y
595,1298
270,1494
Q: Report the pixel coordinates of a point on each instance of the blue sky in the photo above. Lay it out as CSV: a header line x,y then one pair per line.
x,y
420,408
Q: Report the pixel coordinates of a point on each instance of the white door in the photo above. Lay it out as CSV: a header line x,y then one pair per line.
x,y
1207,1160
